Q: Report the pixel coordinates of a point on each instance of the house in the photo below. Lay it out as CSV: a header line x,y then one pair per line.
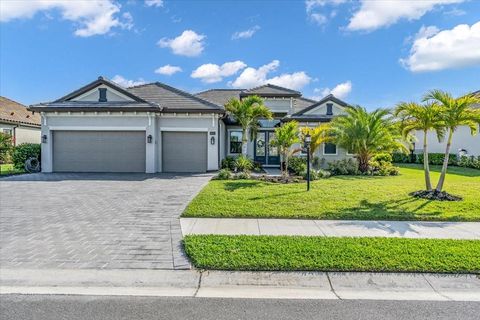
x,y
15,120
463,142
103,127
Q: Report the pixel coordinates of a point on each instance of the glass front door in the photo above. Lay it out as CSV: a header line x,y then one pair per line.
x,y
264,152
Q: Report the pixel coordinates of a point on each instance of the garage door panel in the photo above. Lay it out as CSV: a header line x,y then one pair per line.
x,y
184,151
99,151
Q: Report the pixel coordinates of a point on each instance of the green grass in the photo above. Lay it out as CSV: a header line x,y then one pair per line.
x,y
8,168
283,253
343,197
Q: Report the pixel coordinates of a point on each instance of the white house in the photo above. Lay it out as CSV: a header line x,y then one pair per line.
x,y
18,122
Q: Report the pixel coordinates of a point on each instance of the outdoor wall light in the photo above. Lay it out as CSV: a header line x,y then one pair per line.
x,y
149,138
212,140
44,138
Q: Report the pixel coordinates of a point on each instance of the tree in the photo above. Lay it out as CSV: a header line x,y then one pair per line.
x,y
5,147
285,137
366,133
319,134
247,112
456,112
423,117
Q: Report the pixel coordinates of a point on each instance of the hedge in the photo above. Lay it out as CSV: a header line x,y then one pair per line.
x,y
24,151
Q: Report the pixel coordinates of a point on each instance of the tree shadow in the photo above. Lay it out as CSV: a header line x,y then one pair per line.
x,y
452,170
236,185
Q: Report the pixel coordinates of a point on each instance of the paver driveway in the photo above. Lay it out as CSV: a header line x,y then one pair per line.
x,y
106,221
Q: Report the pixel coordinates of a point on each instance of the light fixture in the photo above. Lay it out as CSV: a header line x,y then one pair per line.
x,y
44,138
212,140
149,138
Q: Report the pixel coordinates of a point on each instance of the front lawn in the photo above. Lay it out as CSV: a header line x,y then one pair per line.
x,y
283,253
8,168
343,197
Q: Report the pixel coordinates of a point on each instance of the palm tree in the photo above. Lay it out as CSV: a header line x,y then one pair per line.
x,y
247,112
319,134
366,133
424,117
286,136
456,112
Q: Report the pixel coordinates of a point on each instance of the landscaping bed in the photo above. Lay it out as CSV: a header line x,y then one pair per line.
x,y
343,197
284,253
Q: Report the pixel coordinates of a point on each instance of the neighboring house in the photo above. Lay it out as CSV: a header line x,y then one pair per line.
x,y
463,142
15,120
103,127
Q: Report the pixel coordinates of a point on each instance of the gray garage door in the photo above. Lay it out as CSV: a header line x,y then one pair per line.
x,y
184,151
99,151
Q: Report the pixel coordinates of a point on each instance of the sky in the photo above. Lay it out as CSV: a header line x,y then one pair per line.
x,y
373,53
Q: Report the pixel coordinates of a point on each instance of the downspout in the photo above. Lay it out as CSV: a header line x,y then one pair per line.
x,y
15,135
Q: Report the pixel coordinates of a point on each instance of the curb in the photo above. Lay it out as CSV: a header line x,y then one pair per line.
x,y
240,284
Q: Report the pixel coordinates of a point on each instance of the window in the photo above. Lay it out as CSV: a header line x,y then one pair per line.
x,y
7,131
329,109
235,141
329,148
102,94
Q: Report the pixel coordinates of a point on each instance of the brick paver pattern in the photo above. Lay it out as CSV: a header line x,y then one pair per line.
x,y
94,221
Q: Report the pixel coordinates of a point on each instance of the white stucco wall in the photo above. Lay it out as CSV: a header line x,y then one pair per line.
x,y
22,133
462,139
93,95
322,109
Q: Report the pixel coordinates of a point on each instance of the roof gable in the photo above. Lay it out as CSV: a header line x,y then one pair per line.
x,y
323,101
12,111
100,82
271,90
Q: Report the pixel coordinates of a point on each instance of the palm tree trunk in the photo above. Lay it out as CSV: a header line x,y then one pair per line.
x,y
426,166
363,163
244,142
286,164
441,180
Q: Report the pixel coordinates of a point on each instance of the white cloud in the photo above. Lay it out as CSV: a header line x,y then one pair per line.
x,y
189,43
211,73
377,14
340,91
154,3
245,34
453,48
168,70
127,83
91,17
316,10
251,77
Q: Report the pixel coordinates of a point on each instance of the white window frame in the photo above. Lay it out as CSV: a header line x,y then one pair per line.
x,y
8,131
229,131
330,154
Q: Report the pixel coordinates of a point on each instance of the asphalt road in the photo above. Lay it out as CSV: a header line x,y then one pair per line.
x,y
41,307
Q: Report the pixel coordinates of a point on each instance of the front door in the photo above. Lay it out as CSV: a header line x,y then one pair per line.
x,y
264,152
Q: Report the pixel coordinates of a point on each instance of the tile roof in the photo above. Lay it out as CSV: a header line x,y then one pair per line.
x,y
14,112
219,96
271,90
86,106
171,99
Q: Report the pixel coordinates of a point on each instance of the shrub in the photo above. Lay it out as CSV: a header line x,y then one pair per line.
x,y
5,147
243,175
24,151
403,158
469,162
381,165
437,158
228,163
257,166
316,174
343,167
244,164
382,157
297,165
224,174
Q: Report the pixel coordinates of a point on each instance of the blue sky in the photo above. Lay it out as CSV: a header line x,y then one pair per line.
x,y
372,53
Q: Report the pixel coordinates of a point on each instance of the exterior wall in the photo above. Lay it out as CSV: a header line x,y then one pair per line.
x,y
322,109
279,104
22,133
462,139
101,121
250,144
191,123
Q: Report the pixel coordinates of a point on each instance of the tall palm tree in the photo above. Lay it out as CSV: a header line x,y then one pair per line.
x,y
423,117
319,134
456,112
247,112
366,133
285,137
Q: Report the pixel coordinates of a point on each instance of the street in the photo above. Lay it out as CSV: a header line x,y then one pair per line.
x,y
43,307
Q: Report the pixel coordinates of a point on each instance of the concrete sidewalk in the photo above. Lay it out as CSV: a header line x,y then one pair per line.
x,y
226,284
332,228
